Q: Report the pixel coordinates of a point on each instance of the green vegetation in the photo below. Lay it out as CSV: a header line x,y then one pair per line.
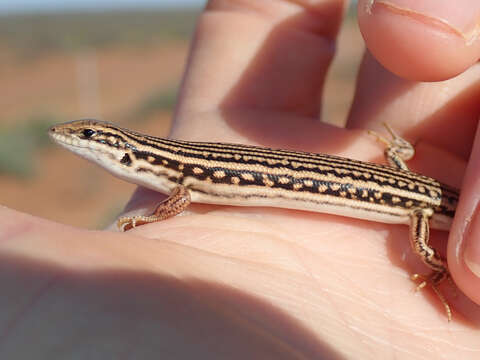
x,y
19,143
32,35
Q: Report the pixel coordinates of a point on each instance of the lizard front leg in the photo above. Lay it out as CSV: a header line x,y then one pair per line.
x,y
176,203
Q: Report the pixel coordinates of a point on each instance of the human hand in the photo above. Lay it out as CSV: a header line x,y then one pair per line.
x,y
257,282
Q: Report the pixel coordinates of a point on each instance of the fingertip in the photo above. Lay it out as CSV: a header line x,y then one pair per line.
x,y
464,240
416,44
464,258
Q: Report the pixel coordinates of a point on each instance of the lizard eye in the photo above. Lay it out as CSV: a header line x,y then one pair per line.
x,y
88,133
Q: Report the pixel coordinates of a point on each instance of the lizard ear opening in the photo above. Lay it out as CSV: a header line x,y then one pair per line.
x,y
126,160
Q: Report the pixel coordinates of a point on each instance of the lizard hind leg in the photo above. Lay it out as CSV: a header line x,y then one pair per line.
x,y
433,280
419,236
397,152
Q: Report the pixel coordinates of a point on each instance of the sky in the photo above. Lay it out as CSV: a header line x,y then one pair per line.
x,y
15,6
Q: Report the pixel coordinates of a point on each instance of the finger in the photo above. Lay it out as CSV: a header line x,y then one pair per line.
x,y
426,40
259,55
464,240
441,114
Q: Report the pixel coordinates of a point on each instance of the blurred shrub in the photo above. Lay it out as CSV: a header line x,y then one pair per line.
x,y
19,144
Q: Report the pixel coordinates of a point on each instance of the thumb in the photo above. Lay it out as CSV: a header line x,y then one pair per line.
x,y
427,40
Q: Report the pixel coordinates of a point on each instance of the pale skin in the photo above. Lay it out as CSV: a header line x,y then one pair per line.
x,y
229,282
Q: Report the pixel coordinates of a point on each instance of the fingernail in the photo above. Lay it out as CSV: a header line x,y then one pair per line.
x,y
462,20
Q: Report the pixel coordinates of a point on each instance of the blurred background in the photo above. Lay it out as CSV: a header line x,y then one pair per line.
x,y
120,61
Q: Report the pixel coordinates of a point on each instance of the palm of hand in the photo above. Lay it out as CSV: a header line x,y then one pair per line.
x,y
224,282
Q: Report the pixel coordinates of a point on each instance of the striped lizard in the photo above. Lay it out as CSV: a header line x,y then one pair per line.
x,y
245,175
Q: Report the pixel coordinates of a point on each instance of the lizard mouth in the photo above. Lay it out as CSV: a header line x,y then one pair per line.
x,y
63,139
75,145
72,143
